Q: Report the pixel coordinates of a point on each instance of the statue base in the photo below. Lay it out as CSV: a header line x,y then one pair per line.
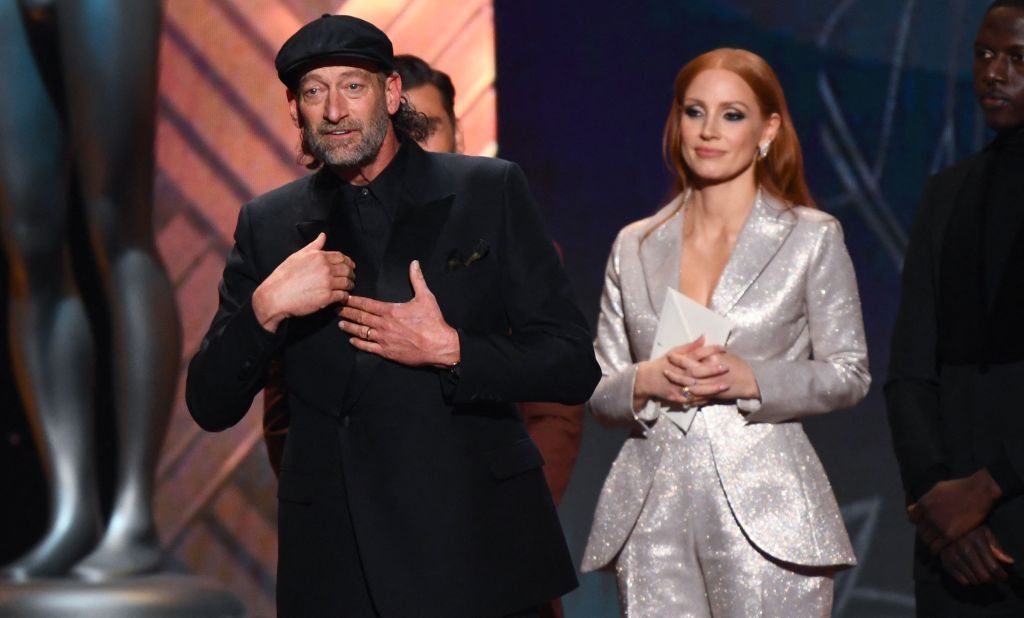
x,y
162,595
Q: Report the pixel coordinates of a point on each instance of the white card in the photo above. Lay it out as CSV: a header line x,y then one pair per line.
x,y
683,320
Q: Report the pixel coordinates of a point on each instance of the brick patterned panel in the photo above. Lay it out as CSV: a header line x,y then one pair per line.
x,y
223,137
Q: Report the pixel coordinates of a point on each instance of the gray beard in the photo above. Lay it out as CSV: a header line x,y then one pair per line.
x,y
337,155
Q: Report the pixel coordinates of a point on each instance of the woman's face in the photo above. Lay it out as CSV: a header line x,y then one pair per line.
x,y
722,126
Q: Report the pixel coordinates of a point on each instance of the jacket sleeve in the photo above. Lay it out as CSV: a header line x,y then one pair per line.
x,y
234,356
836,375
547,354
612,402
912,388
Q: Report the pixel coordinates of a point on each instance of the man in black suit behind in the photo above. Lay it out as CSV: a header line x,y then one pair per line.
x,y
957,369
414,297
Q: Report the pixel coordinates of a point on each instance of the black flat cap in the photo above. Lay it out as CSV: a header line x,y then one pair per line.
x,y
332,37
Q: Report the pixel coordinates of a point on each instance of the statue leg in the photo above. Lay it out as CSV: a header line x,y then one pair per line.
x,y
110,49
51,342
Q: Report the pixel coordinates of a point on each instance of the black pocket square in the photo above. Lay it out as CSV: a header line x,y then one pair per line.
x,y
458,259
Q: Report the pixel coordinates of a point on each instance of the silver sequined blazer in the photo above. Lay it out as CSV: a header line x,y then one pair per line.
x,y
790,289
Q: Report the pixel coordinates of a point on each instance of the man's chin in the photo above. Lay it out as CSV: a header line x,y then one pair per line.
x,y
1001,119
341,158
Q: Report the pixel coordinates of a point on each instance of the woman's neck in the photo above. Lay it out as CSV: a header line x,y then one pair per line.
x,y
722,207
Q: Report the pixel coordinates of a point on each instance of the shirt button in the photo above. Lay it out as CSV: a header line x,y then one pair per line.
x,y
365,191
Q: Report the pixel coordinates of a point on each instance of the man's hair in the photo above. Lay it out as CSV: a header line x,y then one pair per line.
x,y
1013,4
408,123
416,72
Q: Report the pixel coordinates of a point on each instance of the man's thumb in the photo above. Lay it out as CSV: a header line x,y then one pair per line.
x,y
317,244
419,284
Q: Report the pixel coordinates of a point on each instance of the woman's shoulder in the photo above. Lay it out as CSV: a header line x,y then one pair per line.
x,y
812,221
637,230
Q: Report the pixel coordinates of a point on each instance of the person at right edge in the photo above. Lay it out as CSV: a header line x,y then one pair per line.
x,y
957,360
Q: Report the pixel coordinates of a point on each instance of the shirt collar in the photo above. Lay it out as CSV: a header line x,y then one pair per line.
x,y
386,188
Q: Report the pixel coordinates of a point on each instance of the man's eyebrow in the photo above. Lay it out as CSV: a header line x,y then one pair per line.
x,y
322,78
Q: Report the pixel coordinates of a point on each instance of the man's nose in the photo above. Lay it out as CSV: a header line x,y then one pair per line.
x,y
336,107
997,68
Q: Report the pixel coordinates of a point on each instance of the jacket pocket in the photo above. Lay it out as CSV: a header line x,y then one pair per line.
x,y
512,459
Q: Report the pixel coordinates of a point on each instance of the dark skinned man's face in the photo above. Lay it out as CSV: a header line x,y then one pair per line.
x,y
999,68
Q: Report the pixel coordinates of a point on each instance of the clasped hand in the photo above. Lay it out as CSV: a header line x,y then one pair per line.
x,y
412,333
952,508
694,374
975,558
949,519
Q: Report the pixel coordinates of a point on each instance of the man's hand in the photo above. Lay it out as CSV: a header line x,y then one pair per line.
x,y
307,281
951,508
412,333
975,558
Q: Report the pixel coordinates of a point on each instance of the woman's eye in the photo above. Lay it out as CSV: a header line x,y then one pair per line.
x,y
733,116
694,112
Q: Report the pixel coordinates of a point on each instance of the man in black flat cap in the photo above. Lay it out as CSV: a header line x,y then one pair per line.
x,y
413,297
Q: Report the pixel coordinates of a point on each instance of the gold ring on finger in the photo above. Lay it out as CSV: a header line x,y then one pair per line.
x,y
366,335
687,395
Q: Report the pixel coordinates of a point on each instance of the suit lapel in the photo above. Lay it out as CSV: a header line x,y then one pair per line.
x,y
426,200
422,213
767,226
317,339
413,237
660,253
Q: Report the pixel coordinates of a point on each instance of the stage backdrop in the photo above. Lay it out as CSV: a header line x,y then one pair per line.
x,y
880,95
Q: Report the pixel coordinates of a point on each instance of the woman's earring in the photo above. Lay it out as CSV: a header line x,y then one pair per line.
x,y
762,150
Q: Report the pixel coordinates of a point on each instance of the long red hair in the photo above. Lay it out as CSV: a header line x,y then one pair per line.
x,y
781,173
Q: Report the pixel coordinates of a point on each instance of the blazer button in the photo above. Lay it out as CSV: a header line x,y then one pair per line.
x,y
345,421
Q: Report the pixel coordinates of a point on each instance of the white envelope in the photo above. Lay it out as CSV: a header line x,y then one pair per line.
x,y
683,320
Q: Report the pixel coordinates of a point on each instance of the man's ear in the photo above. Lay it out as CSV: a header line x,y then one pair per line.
x,y
393,92
293,108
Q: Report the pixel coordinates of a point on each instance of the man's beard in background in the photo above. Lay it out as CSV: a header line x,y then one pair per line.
x,y
372,135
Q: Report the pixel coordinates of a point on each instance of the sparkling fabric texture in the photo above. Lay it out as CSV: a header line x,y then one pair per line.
x,y
790,288
687,556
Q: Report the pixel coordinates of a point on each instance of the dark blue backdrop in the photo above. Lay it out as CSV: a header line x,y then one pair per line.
x,y
880,95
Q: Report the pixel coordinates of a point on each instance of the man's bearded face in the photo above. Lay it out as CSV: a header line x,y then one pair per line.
x,y
349,143
343,113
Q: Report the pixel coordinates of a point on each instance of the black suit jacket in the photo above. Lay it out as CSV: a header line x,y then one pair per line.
x,y
949,419
445,490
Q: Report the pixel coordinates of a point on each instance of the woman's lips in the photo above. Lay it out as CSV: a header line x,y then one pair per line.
x,y
708,153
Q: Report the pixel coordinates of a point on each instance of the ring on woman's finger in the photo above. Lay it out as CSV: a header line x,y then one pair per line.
x,y
366,335
687,395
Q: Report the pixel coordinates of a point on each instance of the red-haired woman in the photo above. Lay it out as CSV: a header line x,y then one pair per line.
x,y
734,516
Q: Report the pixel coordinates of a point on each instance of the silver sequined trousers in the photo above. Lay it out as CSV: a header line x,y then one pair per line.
x,y
687,556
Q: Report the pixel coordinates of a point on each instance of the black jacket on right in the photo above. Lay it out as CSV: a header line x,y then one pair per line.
x,y
955,392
